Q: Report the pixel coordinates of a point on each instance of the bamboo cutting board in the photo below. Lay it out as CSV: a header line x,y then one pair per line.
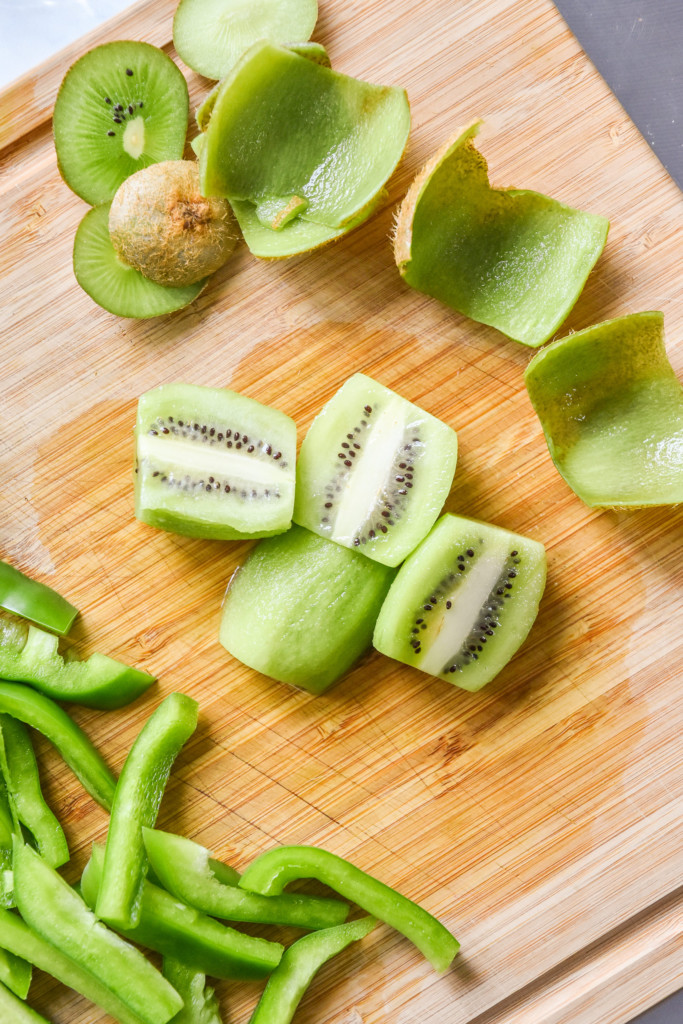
x,y
540,819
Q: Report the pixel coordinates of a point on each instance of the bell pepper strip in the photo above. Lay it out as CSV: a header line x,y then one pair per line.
x,y
58,914
200,1003
187,870
299,965
174,929
30,655
15,1010
35,601
15,972
273,870
8,827
23,784
136,803
43,714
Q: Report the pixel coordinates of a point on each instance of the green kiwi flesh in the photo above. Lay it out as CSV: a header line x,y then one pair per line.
x,y
301,610
463,602
284,126
211,35
513,259
611,408
374,471
213,463
122,106
115,285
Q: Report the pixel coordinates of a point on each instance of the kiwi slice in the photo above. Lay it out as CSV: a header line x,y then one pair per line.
x,y
611,408
464,601
286,130
374,471
113,284
120,107
211,35
213,463
301,610
513,259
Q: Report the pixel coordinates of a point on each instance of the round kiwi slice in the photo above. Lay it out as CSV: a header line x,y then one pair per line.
x,y
114,285
121,106
210,35
161,224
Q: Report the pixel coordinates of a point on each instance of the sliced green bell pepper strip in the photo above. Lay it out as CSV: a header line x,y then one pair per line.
x,y
200,1003
298,966
16,1011
58,914
23,783
17,937
15,972
34,601
8,827
188,871
174,929
273,870
136,803
43,714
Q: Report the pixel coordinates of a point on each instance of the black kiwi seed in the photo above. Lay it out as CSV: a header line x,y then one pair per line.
x,y
111,133
129,72
131,108
470,553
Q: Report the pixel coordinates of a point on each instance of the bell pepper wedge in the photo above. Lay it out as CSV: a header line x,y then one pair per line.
x,y
43,714
35,601
136,803
8,827
58,914
187,870
23,784
20,941
15,1010
173,929
200,1003
298,966
15,973
273,870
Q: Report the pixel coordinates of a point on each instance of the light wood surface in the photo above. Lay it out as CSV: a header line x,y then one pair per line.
x,y
540,819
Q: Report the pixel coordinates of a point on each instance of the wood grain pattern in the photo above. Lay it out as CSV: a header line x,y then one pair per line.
x,y
541,819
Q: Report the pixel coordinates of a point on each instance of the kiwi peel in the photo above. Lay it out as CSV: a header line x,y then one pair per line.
x,y
513,259
611,408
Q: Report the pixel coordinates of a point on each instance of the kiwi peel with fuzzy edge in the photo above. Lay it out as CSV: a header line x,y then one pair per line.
x,y
513,259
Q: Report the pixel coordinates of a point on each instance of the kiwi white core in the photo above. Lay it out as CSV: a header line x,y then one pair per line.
x,y
134,137
190,458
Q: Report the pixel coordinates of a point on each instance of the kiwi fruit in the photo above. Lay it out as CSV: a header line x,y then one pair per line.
x,y
161,224
513,259
463,602
374,471
301,609
120,107
114,285
611,408
211,35
213,463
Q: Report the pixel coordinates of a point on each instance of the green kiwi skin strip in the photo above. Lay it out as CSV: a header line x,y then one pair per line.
x,y
35,601
15,1010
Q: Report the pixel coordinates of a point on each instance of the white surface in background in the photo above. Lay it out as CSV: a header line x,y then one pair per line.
x,y
32,30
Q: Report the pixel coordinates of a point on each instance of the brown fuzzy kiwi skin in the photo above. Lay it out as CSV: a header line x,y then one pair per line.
x,y
161,224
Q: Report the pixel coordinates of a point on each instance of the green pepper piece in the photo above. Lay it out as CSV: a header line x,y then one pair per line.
x,y
15,972
174,929
16,1011
273,870
17,937
58,914
136,803
8,826
43,714
188,871
201,1005
23,782
34,601
298,966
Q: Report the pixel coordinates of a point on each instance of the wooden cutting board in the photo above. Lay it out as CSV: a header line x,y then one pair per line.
x,y
540,819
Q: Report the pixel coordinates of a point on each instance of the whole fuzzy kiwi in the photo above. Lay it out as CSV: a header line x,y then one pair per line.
x,y
161,224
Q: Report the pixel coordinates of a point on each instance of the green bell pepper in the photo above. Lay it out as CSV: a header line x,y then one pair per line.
x,y
273,870
34,601
15,972
200,1004
15,1011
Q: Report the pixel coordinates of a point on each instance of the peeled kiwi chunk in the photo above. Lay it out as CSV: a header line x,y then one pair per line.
x,y
121,106
463,602
161,224
213,463
115,285
211,35
374,471
513,259
285,129
611,408
302,610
